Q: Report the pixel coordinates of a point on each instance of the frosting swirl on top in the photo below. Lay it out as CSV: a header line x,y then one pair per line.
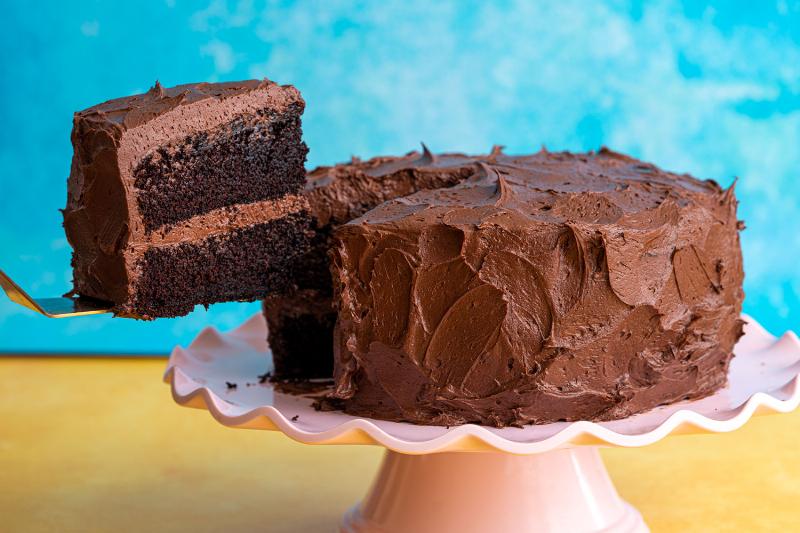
x,y
548,287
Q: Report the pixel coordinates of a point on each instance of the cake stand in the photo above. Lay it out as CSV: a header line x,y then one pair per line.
x,y
472,478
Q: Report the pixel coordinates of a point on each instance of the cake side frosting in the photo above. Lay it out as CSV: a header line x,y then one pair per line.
x,y
548,287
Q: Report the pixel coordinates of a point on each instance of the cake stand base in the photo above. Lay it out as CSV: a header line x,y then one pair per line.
x,y
562,490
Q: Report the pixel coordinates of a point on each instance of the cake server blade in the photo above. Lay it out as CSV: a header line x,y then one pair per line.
x,y
62,307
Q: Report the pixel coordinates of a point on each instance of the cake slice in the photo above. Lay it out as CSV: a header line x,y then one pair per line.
x,y
188,195
543,288
301,323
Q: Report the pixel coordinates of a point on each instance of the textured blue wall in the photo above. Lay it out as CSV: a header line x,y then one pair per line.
x,y
713,91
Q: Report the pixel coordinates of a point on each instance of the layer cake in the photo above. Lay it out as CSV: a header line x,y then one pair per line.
x,y
188,195
539,289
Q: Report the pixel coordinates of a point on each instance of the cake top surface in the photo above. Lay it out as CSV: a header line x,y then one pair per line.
x,y
136,110
601,187
342,192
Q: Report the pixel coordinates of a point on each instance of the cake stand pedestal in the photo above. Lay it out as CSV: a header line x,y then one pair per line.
x,y
472,478
562,490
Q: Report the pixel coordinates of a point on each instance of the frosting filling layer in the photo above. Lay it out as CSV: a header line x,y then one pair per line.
x,y
224,219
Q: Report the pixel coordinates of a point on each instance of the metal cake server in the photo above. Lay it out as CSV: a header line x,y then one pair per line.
x,y
62,307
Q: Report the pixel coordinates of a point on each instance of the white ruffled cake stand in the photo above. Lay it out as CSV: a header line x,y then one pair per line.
x,y
536,478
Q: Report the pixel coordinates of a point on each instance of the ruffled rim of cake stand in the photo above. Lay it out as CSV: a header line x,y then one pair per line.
x,y
764,378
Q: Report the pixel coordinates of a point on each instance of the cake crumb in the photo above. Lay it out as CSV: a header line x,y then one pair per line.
x,y
262,378
230,385
295,418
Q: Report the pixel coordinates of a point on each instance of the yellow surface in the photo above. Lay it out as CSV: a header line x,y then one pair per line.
x,y
98,445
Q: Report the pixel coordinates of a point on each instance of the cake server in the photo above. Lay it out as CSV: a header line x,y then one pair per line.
x,y
62,307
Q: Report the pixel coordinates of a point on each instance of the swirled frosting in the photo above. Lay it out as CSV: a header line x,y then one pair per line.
x,y
549,287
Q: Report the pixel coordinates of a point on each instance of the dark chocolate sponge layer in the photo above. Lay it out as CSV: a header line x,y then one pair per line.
x,y
240,265
300,334
251,158
301,320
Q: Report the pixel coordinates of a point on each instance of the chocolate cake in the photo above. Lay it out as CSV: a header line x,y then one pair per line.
x,y
188,195
301,323
541,288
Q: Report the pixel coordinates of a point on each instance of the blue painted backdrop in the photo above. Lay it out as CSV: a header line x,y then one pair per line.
x,y
714,91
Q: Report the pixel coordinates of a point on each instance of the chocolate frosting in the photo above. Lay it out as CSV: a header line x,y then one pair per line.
x,y
101,219
548,287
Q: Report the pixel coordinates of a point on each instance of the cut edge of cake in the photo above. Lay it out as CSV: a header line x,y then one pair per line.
x,y
301,322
